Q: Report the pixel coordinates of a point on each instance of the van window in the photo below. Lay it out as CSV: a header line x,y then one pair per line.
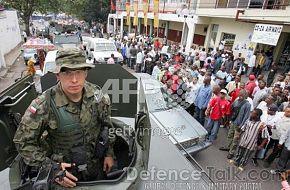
x,y
49,67
105,47
60,39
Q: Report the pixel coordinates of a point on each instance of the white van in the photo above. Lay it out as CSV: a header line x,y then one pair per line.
x,y
99,50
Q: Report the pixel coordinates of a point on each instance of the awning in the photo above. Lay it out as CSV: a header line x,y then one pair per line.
x,y
37,43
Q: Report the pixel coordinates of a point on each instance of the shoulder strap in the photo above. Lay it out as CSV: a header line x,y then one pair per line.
x,y
63,118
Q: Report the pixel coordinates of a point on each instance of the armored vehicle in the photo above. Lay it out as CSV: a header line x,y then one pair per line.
x,y
143,159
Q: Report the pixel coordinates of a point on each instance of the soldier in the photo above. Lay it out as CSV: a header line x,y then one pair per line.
x,y
65,123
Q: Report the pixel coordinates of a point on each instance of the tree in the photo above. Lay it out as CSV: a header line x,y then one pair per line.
x,y
27,7
88,10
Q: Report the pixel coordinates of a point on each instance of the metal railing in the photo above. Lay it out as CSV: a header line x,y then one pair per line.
x,y
165,6
247,4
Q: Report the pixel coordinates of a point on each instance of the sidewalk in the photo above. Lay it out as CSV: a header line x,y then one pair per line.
x,y
10,59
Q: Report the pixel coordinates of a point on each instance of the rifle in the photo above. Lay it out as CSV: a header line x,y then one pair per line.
x,y
47,175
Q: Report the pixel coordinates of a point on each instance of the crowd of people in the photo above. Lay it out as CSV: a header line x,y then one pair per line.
x,y
221,90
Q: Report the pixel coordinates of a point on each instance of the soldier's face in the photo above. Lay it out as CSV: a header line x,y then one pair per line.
x,y
72,81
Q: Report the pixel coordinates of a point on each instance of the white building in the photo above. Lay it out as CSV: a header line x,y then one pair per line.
x,y
208,22
10,35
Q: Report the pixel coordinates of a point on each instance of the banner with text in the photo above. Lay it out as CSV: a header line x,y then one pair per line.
x,y
266,34
135,21
156,13
145,11
128,13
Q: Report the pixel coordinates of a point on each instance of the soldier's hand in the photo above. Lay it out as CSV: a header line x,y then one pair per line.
x,y
108,163
69,179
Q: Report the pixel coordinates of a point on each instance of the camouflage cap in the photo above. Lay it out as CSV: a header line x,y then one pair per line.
x,y
72,59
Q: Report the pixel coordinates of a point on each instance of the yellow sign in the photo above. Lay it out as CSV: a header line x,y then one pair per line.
x,y
135,21
156,13
128,13
145,10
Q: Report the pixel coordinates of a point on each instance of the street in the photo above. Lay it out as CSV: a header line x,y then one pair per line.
x,y
216,164
13,73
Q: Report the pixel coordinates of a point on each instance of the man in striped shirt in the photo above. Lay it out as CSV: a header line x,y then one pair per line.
x,y
248,143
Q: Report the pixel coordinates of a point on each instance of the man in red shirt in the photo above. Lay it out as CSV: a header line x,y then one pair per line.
x,y
251,84
235,93
218,108
157,44
177,58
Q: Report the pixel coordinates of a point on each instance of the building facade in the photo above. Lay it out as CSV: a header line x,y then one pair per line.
x,y
207,23
10,35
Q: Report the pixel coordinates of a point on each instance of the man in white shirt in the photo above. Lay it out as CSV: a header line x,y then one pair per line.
x,y
190,96
285,154
270,120
233,84
280,81
24,36
111,59
202,57
221,74
264,105
251,64
201,76
259,92
156,71
281,129
139,61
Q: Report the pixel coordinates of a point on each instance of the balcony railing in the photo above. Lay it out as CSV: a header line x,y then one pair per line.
x,y
165,6
246,4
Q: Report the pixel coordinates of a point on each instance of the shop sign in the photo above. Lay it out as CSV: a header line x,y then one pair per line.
x,y
266,34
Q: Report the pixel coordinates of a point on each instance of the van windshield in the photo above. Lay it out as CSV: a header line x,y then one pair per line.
x,y
60,39
49,67
105,47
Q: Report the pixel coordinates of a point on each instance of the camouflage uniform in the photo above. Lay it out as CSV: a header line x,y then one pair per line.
x,y
40,139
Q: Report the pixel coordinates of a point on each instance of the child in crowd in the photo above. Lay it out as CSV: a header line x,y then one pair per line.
x,y
284,182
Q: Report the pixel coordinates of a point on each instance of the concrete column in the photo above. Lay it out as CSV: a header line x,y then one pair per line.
x,y
2,60
190,33
166,29
208,37
129,27
115,24
139,25
151,27
122,26
183,32
280,46
108,25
